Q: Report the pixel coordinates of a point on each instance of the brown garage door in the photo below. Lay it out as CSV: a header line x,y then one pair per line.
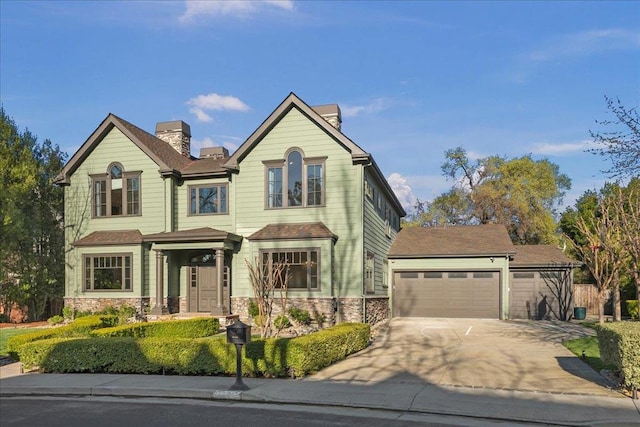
x,y
447,294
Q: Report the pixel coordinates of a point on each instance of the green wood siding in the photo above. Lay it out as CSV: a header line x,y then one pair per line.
x,y
342,212
184,221
155,209
74,279
377,237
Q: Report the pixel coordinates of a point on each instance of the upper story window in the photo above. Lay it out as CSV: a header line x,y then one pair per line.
x,y
302,178
117,193
208,199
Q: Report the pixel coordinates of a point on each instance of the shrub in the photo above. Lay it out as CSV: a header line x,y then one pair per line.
x,y
191,328
301,316
281,322
319,317
199,356
67,312
632,309
253,309
619,344
55,320
310,353
80,327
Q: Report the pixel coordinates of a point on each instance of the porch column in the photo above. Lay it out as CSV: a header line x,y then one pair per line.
x,y
159,308
220,309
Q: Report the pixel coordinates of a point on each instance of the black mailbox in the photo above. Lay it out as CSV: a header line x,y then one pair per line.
x,y
239,333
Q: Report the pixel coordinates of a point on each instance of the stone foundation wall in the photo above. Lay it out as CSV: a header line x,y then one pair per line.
x,y
376,309
99,304
240,306
350,309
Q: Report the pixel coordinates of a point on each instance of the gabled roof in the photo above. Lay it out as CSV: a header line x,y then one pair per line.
x,y
306,230
167,159
541,256
358,155
453,241
290,102
102,238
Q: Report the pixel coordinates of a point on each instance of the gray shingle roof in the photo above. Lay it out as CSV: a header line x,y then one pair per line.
x,y
540,255
100,238
436,242
307,230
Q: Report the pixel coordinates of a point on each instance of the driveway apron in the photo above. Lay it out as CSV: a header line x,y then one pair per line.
x,y
494,354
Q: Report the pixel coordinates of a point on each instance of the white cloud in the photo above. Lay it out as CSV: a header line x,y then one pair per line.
x,y
561,149
200,115
373,107
402,189
586,43
215,102
241,8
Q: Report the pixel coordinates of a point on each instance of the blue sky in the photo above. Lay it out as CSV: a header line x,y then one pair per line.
x,y
412,78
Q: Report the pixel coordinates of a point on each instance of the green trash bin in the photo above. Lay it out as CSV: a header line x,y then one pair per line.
x,y
579,313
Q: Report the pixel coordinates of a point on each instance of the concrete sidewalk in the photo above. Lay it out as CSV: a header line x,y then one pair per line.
x,y
397,394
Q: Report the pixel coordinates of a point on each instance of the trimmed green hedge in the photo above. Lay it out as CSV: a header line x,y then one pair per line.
x,y
276,357
190,328
80,327
619,344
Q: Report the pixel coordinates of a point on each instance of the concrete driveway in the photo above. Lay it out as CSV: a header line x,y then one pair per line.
x,y
493,354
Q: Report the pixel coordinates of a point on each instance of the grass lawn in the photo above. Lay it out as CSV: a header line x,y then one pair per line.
x,y
589,347
6,333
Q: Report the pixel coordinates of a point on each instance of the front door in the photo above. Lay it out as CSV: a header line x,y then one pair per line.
x,y
207,293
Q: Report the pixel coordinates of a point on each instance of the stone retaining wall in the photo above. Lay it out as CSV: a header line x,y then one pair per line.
x,y
99,304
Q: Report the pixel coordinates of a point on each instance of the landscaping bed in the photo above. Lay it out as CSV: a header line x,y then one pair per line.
x,y
184,347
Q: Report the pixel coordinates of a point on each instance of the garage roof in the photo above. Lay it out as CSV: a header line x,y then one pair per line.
x,y
540,256
452,241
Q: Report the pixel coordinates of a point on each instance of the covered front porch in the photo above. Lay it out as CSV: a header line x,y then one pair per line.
x,y
193,270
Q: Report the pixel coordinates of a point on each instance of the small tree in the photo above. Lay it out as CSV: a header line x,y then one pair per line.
x,y
602,254
558,278
267,278
620,142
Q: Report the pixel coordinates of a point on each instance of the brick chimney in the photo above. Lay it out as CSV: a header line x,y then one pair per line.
x,y
177,134
331,113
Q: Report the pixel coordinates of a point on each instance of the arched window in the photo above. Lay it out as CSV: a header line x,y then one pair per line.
x,y
294,179
302,177
117,193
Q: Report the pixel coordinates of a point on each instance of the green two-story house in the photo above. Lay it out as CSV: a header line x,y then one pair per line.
x,y
147,224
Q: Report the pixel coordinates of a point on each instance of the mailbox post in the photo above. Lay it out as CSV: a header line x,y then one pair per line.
x,y
239,334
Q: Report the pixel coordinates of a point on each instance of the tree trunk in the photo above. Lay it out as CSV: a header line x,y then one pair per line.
x,y
600,307
617,313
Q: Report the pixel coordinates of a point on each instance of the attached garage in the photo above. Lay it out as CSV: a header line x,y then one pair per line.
x,y
456,272
534,274
473,294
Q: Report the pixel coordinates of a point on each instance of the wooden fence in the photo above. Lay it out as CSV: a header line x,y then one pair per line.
x,y
586,295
